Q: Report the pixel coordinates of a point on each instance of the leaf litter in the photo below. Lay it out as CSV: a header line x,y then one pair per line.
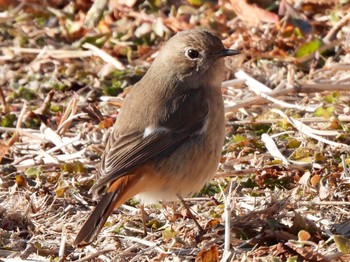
x,y
282,188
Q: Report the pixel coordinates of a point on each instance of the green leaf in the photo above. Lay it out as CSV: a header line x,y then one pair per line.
x,y
154,224
292,259
26,93
343,244
284,124
293,143
56,108
308,48
298,32
75,167
276,259
8,120
238,138
33,172
302,154
169,233
196,2
326,113
332,97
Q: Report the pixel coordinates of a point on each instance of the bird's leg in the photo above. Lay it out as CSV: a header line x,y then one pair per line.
x,y
143,215
201,230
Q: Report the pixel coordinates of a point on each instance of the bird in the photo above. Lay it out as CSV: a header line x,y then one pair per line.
x,y
168,136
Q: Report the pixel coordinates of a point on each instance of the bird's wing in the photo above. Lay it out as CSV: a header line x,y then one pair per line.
x,y
127,152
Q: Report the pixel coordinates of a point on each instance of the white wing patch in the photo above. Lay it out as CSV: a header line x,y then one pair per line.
x,y
153,129
205,126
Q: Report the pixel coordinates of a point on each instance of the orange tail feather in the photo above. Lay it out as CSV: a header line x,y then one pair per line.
x,y
118,192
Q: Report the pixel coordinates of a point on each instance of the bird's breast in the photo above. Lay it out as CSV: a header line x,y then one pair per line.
x,y
193,164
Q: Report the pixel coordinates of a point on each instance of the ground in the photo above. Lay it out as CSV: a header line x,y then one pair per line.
x,y
282,188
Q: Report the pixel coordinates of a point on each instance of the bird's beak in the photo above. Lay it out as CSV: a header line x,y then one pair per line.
x,y
228,52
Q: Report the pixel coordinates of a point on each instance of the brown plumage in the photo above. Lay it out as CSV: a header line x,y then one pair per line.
x,y
168,137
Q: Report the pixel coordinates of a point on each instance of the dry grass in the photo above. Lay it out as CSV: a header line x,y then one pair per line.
x,y
282,189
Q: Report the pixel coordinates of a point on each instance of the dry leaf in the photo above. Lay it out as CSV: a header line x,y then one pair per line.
x,y
252,14
20,180
308,253
209,255
315,180
3,150
303,235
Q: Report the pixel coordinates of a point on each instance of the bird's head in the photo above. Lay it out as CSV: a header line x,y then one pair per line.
x,y
193,54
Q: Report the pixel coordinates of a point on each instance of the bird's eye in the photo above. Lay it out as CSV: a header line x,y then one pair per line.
x,y
192,53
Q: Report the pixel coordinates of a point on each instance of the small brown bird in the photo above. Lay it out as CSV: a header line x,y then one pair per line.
x,y
168,137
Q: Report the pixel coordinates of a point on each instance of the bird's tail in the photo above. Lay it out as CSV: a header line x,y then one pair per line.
x,y
118,192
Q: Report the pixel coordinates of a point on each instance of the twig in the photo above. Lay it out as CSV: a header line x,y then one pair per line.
x,y
70,111
330,203
314,88
295,165
227,202
15,135
341,118
253,84
64,144
201,230
3,102
53,137
95,13
144,242
337,67
52,160
337,26
13,129
273,149
232,82
345,172
63,243
235,173
303,88
104,56
96,254
311,108
43,108
66,123
57,54
308,131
